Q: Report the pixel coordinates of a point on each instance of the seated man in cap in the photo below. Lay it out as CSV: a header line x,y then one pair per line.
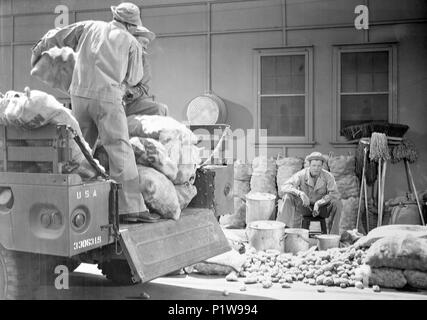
x,y
311,191
137,98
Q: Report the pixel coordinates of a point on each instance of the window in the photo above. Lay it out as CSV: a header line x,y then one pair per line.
x,y
284,95
364,83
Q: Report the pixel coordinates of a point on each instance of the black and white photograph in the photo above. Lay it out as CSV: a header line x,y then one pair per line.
x,y
233,152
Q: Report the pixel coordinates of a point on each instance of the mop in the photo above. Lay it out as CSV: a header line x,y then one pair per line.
x,y
380,153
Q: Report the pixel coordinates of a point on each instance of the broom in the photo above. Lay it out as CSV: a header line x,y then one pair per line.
x,y
380,153
365,130
406,150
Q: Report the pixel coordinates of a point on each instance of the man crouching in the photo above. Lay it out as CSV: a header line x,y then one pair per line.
x,y
310,192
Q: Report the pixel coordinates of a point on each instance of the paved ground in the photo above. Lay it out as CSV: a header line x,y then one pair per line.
x,y
88,283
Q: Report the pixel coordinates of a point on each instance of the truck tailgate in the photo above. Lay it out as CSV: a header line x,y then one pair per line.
x,y
156,249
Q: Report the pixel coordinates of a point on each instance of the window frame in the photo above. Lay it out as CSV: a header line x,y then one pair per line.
x,y
307,51
391,48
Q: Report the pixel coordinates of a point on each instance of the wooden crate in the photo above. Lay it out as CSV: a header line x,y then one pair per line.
x,y
41,150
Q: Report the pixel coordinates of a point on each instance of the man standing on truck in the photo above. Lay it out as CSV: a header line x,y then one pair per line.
x,y
108,60
137,98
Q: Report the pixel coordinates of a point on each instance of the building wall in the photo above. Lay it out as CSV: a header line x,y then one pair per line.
x,y
193,54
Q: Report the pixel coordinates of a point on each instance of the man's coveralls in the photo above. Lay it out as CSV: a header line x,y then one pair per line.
x,y
291,209
108,59
140,103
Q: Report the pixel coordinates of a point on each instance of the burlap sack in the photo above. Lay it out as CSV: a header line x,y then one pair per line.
x,y
212,269
261,182
348,186
55,68
185,192
189,158
349,214
264,165
387,278
399,251
222,264
163,129
241,188
151,153
159,193
242,171
237,220
178,140
286,168
33,109
390,230
342,165
416,279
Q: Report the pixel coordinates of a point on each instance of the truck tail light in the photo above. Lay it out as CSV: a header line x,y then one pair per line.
x,y
51,219
80,219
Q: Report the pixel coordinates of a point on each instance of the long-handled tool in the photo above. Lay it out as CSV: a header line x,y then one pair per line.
x,y
379,188
412,188
381,200
363,192
382,167
361,188
87,154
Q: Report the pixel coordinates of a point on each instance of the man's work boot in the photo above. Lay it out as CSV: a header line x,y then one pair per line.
x,y
144,216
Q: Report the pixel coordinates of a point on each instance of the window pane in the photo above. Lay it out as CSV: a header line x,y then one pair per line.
x,y
364,82
268,85
364,62
283,116
268,66
364,71
380,82
283,74
381,61
348,63
283,65
356,109
348,83
298,65
298,84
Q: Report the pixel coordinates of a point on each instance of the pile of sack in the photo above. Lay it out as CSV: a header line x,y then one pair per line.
x,y
167,158
286,168
343,170
242,186
33,109
263,179
397,256
55,67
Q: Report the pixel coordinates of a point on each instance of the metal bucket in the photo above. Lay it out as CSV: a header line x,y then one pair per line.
x,y
265,235
260,206
296,240
328,241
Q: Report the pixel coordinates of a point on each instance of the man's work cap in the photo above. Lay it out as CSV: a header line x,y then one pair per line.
x,y
127,12
141,31
315,156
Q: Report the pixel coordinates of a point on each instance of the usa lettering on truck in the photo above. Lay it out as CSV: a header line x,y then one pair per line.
x,y
86,194
87,243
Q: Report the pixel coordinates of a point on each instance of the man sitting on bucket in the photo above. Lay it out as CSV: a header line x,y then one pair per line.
x,y
311,191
